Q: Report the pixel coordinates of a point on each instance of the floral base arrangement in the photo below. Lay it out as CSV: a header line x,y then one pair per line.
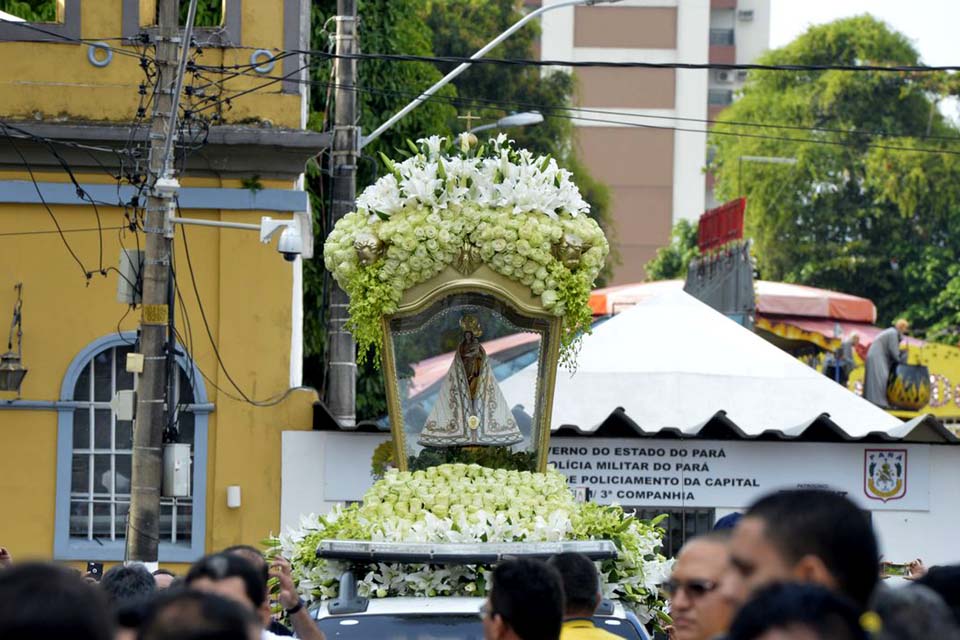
x,y
462,204
460,503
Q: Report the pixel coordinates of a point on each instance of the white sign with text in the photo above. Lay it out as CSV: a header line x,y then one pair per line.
x,y
702,473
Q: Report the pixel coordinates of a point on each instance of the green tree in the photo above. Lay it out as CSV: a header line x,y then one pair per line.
x,y
461,27
833,219
454,28
672,260
31,10
386,26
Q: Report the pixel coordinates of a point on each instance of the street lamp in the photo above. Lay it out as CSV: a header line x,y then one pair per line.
x,y
365,140
347,145
524,119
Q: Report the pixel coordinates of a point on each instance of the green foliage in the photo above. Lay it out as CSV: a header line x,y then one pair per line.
x,y
490,457
671,261
473,504
31,10
419,27
460,28
209,12
387,26
847,216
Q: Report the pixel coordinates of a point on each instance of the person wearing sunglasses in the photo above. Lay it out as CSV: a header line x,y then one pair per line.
x,y
698,610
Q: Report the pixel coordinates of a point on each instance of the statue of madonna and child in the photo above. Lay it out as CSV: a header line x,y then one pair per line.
x,y
470,409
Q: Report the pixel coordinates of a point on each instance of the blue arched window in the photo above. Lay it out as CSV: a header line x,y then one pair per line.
x,y
94,459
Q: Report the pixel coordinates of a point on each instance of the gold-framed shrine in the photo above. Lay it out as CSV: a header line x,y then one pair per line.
x,y
475,413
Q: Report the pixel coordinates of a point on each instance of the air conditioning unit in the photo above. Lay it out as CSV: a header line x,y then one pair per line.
x,y
741,75
745,15
725,76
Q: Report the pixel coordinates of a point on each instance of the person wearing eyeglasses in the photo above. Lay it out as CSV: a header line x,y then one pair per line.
x,y
698,609
525,602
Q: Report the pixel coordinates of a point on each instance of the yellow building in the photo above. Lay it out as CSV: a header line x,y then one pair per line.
x,y
66,457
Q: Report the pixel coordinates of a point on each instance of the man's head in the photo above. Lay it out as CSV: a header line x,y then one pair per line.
x,y
797,612
164,578
854,338
525,602
698,609
945,581
805,536
196,615
902,325
233,577
581,584
126,585
913,613
252,555
46,602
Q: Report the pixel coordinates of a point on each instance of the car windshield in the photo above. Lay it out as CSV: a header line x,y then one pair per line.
x,y
451,626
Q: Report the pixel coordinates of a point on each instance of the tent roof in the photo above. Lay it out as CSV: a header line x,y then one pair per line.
x,y
773,298
714,376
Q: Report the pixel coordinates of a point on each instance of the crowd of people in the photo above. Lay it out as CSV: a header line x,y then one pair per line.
x,y
224,596
798,565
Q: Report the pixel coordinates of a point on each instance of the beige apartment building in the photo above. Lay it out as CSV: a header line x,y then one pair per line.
x,y
641,130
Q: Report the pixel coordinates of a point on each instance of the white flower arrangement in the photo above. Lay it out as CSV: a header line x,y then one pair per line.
x,y
461,503
519,214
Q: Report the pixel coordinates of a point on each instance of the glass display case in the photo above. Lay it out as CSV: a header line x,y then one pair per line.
x,y
452,353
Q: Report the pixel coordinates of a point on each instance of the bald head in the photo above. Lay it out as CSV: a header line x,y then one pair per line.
x,y
902,325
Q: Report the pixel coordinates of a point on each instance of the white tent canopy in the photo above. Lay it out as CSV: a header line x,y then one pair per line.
x,y
672,362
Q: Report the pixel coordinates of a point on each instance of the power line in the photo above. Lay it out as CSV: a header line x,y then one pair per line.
x,y
269,402
47,232
546,109
56,223
632,64
60,36
547,114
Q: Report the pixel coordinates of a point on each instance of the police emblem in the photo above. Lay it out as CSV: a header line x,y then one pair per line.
x,y
885,474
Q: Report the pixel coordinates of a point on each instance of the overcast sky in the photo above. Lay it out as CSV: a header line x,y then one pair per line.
x,y
932,25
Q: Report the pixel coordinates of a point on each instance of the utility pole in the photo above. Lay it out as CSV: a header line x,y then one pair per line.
x,y
143,525
341,347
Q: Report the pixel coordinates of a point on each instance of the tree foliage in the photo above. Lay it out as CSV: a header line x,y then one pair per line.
x,y
672,260
419,27
461,27
31,10
848,215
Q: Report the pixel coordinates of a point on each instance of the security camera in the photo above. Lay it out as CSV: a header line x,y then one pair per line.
x,y
291,242
290,245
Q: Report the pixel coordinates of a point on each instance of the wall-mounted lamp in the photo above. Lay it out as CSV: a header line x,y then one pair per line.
x,y
12,370
233,496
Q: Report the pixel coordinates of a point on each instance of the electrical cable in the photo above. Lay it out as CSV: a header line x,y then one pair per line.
x,y
632,65
545,109
465,102
86,274
269,402
60,36
6,234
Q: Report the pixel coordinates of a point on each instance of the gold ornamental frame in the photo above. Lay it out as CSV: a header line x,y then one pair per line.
x,y
482,280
